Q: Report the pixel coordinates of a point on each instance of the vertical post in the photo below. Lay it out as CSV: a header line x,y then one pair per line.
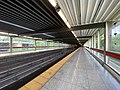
x,y
108,38
105,43
90,42
47,45
98,33
35,45
11,43
98,40
94,42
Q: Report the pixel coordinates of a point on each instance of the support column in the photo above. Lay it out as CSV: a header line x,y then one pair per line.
x,y
47,45
92,43
35,45
108,38
11,41
98,40
95,43
89,43
98,34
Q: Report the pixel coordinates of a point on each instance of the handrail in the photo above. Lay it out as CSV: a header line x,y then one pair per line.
x,y
108,53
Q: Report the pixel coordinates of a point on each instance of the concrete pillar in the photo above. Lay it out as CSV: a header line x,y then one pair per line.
x,y
108,38
11,43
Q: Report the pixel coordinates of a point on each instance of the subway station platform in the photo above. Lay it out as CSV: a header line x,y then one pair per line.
x,y
82,72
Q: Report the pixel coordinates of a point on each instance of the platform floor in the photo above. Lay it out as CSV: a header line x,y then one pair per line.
x,y
82,72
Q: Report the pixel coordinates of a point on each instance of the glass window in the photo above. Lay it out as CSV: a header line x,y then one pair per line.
x,y
4,44
23,44
96,41
50,43
102,41
43,43
115,39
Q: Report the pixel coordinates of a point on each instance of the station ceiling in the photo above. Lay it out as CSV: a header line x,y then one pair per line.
x,y
82,12
38,18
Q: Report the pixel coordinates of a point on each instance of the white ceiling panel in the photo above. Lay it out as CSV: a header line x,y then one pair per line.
x,y
80,12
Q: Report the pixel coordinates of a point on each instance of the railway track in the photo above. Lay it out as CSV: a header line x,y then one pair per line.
x,y
14,70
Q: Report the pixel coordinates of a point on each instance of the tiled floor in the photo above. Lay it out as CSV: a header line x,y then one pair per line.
x,y
82,72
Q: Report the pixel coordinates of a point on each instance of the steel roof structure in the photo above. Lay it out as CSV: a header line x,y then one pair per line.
x,y
38,18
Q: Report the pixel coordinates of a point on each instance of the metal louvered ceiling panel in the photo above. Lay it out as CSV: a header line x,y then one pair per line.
x,y
26,13
89,11
26,16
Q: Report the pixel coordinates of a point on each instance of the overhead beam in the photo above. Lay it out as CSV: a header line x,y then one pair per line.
x,y
50,10
69,37
75,28
89,26
45,31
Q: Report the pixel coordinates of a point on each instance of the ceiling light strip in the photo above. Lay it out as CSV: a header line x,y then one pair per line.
x,y
48,35
46,13
53,2
64,9
17,25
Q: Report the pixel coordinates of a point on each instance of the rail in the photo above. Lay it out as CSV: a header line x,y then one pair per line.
x,y
108,53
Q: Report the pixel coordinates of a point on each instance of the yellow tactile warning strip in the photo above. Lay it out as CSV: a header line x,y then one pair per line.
x,y
38,82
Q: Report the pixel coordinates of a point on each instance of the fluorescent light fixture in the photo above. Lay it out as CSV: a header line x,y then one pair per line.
x,y
66,22
49,40
4,33
11,34
74,34
16,25
62,16
25,36
29,37
38,38
77,39
48,35
68,25
53,2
